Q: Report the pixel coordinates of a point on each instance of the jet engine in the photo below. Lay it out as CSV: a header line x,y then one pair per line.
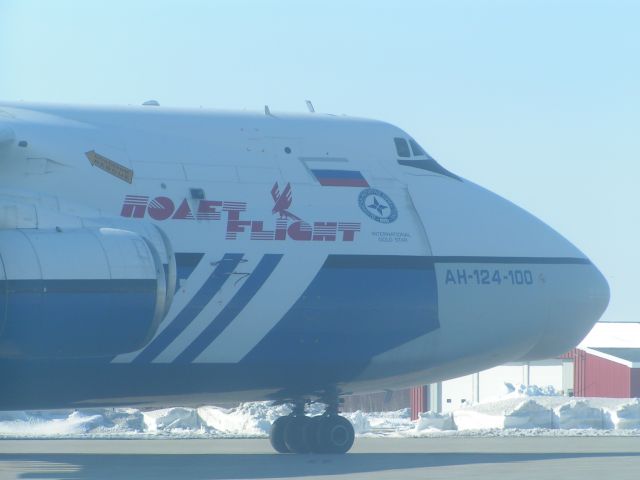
x,y
82,292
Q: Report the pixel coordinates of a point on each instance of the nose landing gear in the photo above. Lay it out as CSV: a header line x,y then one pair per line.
x,y
298,433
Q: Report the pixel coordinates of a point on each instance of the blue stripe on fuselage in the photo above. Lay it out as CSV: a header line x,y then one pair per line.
x,y
511,260
77,317
186,263
210,287
356,307
244,295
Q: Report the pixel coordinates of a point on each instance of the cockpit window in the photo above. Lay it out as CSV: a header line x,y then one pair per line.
x,y
402,147
420,159
416,149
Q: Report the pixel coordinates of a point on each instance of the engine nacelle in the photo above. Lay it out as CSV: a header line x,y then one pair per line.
x,y
82,292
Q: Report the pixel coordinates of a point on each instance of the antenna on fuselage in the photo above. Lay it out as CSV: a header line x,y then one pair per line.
x,y
310,106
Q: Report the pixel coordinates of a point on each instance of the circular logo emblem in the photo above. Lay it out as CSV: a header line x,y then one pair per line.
x,y
377,205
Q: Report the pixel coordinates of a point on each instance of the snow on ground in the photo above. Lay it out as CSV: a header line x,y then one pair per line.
x,y
520,412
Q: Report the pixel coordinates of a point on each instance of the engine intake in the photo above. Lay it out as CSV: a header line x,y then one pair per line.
x,y
85,292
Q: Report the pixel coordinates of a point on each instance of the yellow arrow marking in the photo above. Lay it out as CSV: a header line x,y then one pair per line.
x,y
110,166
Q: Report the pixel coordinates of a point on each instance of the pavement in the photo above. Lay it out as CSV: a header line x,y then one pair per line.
x,y
537,458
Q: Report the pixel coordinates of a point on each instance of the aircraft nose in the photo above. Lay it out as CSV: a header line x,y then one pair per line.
x,y
598,293
577,296
559,294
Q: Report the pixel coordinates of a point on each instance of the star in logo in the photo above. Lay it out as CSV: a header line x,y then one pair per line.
x,y
377,206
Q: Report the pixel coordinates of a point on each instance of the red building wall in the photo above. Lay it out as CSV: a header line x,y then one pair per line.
x,y
601,377
419,401
598,377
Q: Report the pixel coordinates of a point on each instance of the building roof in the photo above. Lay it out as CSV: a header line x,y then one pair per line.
x,y
617,342
613,335
629,354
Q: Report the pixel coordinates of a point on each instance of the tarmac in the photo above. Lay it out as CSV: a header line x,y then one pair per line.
x,y
380,458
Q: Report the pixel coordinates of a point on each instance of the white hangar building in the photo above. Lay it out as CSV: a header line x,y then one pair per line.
x,y
605,364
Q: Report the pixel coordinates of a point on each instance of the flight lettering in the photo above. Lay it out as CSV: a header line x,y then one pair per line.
x,y
286,226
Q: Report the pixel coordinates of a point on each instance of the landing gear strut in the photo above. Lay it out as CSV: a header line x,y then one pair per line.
x,y
298,433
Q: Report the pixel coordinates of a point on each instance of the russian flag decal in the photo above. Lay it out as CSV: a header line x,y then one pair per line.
x,y
340,178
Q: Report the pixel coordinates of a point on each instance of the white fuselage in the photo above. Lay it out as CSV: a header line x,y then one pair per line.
x,y
285,255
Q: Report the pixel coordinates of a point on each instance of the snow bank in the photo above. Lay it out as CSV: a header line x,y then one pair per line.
x,y
519,412
174,419
118,419
529,390
579,414
627,416
511,391
529,414
247,420
550,412
71,423
430,421
386,421
471,419
360,422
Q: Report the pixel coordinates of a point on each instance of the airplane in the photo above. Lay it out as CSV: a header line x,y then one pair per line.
x,y
156,256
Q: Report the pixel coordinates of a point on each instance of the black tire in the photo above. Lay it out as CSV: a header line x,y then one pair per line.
x,y
276,435
335,435
313,433
297,434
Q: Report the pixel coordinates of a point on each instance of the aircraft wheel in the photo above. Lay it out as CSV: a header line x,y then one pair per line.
x,y
298,434
335,435
313,433
276,435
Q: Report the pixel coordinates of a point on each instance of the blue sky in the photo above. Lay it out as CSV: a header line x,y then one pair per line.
x,y
537,100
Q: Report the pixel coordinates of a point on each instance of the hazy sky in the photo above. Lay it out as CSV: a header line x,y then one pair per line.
x,y
537,100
